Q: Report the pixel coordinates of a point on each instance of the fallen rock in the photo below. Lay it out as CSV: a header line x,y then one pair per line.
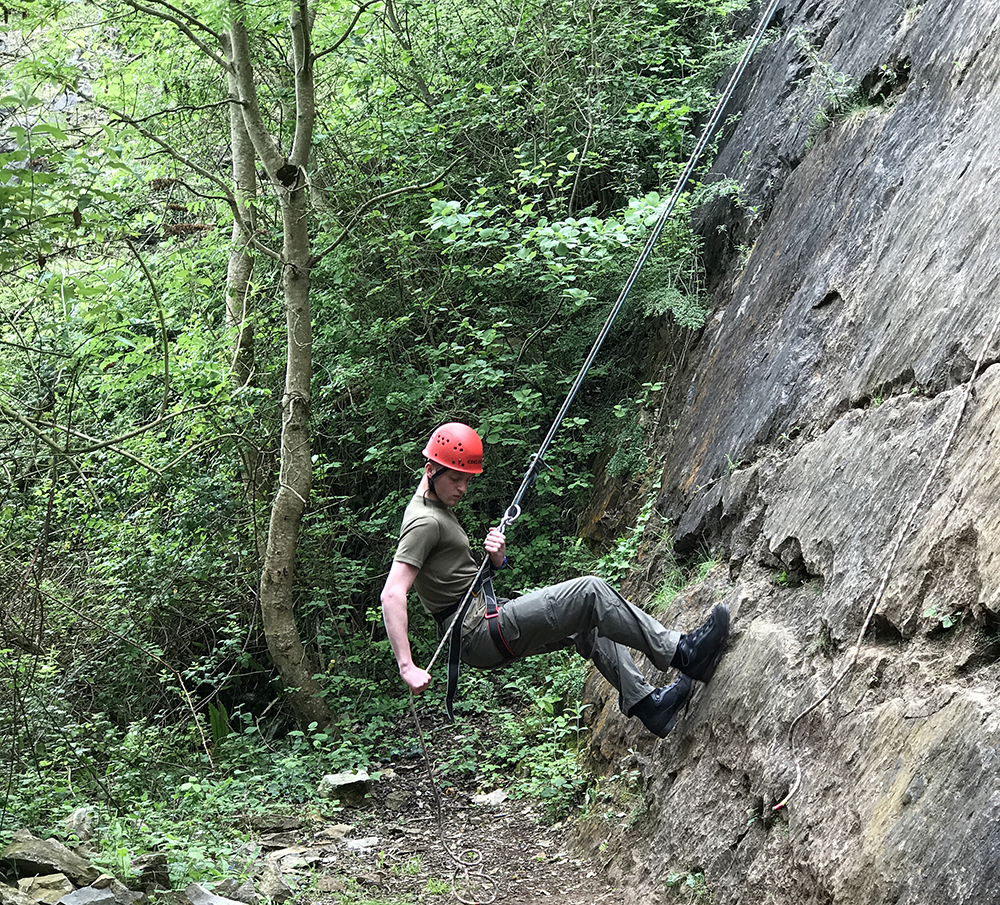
x,y
240,892
497,796
105,890
275,823
28,856
272,884
152,872
293,858
90,895
350,789
82,822
9,895
49,888
326,883
198,895
362,844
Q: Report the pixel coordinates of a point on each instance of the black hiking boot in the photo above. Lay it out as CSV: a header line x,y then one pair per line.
x,y
699,652
659,710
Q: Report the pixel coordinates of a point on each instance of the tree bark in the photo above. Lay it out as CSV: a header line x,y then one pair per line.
x,y
239,273
295,473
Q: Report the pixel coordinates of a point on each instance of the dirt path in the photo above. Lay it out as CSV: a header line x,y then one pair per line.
x,y
388,849
394,850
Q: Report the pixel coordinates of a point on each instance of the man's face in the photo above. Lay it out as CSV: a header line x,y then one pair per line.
x,y
450,486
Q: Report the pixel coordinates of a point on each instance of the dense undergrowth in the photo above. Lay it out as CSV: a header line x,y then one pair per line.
x,y
137,473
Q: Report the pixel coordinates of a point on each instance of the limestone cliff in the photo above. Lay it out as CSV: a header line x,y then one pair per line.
x,y
856,284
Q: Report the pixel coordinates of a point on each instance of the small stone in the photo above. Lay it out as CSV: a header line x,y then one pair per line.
x,y
362,844
498,796
49,888
335,832
398,800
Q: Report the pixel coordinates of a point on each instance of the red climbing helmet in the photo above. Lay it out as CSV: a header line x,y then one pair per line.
x,y
456,446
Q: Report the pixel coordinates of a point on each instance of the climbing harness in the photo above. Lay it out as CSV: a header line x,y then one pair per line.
x,y
492,615
900,537
482,583
491,608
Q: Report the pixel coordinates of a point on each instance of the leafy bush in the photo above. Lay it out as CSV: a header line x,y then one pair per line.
x,y
137,471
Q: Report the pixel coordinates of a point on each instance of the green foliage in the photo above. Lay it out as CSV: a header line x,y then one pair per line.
x,y
691,886
833,92
136,474
946,620
542,736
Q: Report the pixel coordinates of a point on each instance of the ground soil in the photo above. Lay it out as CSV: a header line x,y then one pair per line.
x,y
391,847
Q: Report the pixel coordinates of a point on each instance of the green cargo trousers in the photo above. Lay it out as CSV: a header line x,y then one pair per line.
x,y
586,613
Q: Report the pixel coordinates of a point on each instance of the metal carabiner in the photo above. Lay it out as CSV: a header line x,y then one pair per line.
x,y
509,519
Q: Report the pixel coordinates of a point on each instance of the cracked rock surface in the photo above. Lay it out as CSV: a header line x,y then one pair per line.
x,y
855,288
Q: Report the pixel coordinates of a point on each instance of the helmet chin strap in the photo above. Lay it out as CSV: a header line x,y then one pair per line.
x,y
431,478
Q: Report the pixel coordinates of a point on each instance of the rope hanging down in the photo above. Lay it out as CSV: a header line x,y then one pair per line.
x,y
513,511
887,572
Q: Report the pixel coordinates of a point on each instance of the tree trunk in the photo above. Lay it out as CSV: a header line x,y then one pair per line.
x,y
239,273
295,474
240,268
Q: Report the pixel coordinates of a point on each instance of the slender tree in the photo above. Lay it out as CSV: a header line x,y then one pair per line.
x,y
286,163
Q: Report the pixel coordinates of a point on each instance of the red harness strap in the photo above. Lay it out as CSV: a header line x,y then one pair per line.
x,y
493,618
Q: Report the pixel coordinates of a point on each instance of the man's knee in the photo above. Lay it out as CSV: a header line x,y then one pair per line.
x,y
593,586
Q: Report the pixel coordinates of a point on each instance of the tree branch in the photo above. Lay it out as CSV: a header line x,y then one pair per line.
x,y
265,146
185,109
29,426
32,426
305,94
347,32
201,171
184,22
314,259
163,326
234,435
103,444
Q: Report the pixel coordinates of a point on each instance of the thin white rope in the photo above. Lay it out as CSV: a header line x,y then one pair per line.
x,y
897,546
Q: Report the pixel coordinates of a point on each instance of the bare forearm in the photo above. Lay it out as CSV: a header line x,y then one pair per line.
x,y
397,628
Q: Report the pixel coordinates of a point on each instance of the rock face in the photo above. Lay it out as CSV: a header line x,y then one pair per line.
x,y
833,444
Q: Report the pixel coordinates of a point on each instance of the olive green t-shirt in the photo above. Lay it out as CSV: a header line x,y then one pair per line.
x,y
433,541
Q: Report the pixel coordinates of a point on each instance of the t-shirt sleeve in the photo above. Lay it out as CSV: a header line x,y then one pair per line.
x,y
417,540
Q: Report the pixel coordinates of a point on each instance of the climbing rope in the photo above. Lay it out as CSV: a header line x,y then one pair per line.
x,y
470,865
513,511
897,546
